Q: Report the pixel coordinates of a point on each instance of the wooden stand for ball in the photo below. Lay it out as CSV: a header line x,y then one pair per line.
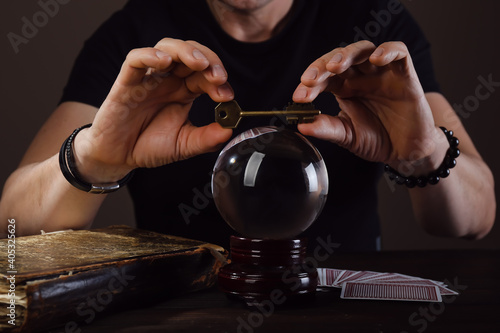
x,y
273,270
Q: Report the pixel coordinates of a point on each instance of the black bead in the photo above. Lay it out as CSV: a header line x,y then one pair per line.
x,y
390,172
400,180
449,162
421,181
433,179
454,142
449,134
453,152
411,182
443,172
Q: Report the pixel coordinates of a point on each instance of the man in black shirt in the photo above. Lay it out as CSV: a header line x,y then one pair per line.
x,y
151,109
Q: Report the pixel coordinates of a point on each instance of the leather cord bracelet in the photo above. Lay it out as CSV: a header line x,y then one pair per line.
x,y
433,178
69,171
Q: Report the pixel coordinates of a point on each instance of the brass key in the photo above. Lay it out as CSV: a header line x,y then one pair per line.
x,y
229,114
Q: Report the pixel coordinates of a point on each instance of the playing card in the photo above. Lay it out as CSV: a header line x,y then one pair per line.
x,y
355,277
395,292
343,276
376,285
442,290
373,276
327,276
396,278
389,277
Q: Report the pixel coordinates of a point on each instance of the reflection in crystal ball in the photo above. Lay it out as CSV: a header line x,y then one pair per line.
x,y
270,183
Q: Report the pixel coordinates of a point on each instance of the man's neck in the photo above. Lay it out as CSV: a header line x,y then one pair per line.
x,y
251,24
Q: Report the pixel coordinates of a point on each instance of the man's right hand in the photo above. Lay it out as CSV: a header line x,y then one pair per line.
x,y
144,120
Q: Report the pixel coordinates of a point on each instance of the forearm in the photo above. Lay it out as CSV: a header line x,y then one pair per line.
x,y
461,205
39,198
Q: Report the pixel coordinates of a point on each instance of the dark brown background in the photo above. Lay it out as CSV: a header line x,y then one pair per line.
x,y
464,36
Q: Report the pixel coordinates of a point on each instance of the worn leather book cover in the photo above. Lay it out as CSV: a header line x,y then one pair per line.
x,y
69,278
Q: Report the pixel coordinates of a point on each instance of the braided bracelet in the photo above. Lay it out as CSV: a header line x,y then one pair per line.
x,y
433,178
69,171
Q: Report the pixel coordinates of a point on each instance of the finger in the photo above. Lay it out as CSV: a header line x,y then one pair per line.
x,y
327,128
394,54
183,52
200,140
139,62
338,63
354,54
314,80
197,84
316,74
190,56
305,94
216,72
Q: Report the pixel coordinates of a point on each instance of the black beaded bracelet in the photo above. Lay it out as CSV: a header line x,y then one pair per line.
x,y
69,171
433,178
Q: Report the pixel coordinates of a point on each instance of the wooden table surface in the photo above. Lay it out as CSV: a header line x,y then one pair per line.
x,y
474,273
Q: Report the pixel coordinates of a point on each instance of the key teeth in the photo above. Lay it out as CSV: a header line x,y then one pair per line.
x,y
292,120
306,120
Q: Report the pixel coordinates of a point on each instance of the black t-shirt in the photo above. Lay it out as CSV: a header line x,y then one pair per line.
x,y
176,198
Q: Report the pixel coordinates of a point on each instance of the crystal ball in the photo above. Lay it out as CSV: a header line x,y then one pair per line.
x,y
269,183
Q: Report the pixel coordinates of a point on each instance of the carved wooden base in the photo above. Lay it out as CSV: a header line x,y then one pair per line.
x,y
272,270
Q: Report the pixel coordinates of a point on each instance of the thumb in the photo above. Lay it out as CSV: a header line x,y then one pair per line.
x,y
206,139
327,128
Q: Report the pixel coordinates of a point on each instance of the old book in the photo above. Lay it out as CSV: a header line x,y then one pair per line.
x,y
68,278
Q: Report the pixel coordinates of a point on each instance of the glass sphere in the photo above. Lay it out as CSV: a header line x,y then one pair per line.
x,y
270,183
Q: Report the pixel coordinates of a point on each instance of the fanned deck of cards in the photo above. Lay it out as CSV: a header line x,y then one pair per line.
x,y
382,286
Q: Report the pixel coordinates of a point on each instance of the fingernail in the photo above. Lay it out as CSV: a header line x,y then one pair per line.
x,y
300,93
218,71
161,54
337,58
311,74
198,55
224,91
378,52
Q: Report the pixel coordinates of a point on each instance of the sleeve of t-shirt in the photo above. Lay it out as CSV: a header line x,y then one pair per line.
x,y
100,60
403,27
